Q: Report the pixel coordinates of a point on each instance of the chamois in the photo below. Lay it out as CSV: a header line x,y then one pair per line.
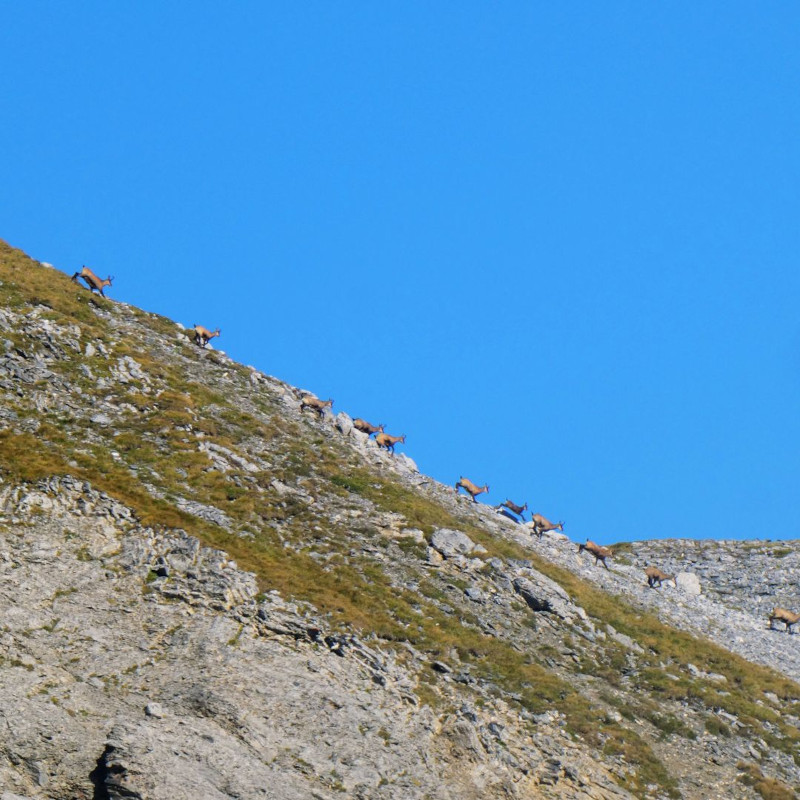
x,y
782,615
202,335
656,576
92,281
542,525
365,427
600,553
387,441
315,404
469,486
513,507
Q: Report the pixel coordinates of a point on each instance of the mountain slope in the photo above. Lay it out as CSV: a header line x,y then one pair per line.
x,y
306,615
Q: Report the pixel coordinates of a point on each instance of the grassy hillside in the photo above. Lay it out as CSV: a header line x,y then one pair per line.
x,y
127,402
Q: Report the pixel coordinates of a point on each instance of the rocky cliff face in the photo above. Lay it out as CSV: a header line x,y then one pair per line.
x,y
208,592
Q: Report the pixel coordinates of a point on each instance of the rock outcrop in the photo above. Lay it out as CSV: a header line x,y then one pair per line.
x,y
206,593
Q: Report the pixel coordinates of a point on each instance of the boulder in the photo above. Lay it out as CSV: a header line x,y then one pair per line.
x,y
543,594
344,424
451,543
688,583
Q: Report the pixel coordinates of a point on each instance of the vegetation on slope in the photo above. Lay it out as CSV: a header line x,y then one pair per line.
x,y
151,460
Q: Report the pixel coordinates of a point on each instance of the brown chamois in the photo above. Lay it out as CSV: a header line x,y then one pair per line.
x,y
469,486
514,507
656,576
600,553
782,615
202,335
387,441
92,281
365,427
542,525
315,404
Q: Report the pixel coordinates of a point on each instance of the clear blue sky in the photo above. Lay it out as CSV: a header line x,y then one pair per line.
x,y
553,243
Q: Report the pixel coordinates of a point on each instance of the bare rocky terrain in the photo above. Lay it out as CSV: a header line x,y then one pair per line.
x,y
207,592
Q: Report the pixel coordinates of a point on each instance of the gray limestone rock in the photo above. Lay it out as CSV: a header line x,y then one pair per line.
x,y
344,424
543,594
137,663
451,543
688,583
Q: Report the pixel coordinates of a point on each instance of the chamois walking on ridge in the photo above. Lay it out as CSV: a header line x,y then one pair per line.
x,y
789,618
203,335
468,486
92,281
542,525
365,427
518,510
315,404
388,441
656,576
600,553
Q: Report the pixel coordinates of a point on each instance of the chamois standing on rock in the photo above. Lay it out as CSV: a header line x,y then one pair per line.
x,y
789,618
518,510
388,441
542,525
469,486
600,553
656,576
315,404
365,427
92,281
203,335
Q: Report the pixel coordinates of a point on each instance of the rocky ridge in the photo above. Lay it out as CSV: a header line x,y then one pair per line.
x,y
143,663
385,639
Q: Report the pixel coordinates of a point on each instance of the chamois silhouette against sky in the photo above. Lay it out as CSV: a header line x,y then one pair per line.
x,y
553,244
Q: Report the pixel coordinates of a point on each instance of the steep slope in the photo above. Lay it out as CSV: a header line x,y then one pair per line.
x,y
209,592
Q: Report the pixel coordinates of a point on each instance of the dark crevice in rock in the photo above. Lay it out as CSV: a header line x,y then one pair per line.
x,y
98,778
108,779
